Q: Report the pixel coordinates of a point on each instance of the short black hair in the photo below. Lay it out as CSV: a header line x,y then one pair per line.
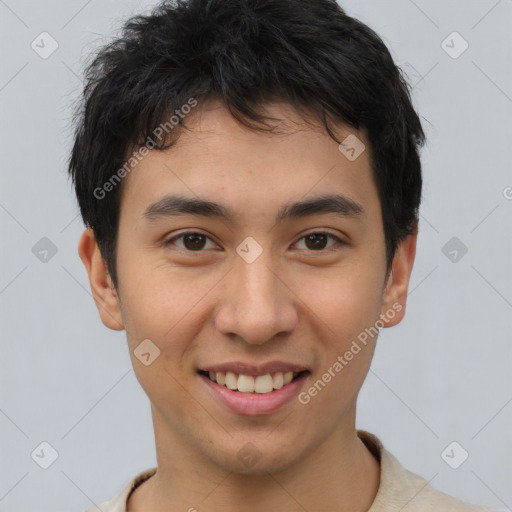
x,y
310,54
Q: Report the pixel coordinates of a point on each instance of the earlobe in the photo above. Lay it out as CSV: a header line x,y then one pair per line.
x,y
103,291
395,294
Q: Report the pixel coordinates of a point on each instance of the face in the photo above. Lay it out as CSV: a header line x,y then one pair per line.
x,y
275,277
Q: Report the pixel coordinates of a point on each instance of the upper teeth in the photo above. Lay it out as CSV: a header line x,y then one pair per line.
x,y
249,384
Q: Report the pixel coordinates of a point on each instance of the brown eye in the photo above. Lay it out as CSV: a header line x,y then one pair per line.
x,y
192,241
319,241
316,241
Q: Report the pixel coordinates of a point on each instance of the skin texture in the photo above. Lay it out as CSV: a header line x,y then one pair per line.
x,y
293,304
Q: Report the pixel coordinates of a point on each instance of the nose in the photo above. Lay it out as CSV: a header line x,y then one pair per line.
x,y
257,304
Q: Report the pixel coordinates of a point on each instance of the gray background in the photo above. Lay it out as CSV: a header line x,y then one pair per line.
x,y
443,375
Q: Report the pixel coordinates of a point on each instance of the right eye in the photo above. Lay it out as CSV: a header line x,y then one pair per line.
x,y
191,241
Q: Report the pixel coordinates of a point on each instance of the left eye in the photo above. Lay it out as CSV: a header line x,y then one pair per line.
x,y
318,241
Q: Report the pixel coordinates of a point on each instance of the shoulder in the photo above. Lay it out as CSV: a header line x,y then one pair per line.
x,y
404,491
118,502
415,494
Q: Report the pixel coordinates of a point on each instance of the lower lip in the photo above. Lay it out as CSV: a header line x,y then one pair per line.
x,y
255,404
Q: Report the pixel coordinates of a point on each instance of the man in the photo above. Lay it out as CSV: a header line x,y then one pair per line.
x,y
249,176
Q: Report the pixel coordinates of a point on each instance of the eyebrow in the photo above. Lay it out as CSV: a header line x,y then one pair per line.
x,y
171,205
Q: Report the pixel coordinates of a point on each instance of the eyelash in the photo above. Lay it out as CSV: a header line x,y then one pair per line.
x,y
338,241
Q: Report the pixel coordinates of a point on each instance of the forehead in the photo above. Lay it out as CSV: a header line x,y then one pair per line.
x,y
218,158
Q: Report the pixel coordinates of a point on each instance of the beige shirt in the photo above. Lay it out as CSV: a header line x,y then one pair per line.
x,y
399,490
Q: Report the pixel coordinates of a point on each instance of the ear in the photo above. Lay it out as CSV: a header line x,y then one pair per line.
x,y
395,292
102,288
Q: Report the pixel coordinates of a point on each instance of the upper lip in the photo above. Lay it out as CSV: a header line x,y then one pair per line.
x,y
240,367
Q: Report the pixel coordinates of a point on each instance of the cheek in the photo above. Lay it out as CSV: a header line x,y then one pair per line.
x,y
343,312
162,303
346,301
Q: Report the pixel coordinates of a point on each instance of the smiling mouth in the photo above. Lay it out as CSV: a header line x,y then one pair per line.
x,y
260,384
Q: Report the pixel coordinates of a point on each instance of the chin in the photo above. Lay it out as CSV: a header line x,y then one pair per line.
x,y
249,460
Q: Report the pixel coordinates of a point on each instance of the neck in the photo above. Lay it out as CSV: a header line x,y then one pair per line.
x,y
340,474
